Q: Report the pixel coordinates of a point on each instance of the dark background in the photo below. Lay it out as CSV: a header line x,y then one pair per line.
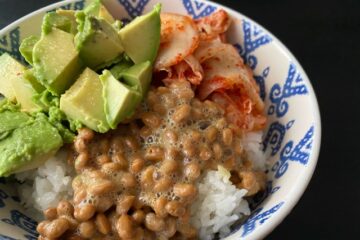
x,y
324,36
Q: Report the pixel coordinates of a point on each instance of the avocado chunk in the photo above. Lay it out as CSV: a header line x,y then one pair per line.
x,y
27,47
56,61
96,9
30,77
98,42
59,21
71,15
138,76
141,37
9,69
23,91
120,67
84,102
120,101
25,142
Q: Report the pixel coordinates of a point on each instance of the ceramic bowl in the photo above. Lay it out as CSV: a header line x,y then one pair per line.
x,y
291,139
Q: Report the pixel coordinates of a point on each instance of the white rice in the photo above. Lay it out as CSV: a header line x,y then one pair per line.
x,y
47,185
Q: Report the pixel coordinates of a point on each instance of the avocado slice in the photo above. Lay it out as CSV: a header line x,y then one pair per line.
x,y
56,61
27,47
71,15
120,101
59,21
96,9
84,102
98,42
25,142
9,69
30,77
138,76
119,68
141,37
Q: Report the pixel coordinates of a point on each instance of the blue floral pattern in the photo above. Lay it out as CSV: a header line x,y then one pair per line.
x,y
275,136
259,217
10,44
24,222
198,9
298,153
294,85
133,7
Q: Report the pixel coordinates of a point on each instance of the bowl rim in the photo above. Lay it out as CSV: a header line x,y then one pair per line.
x,y
293,196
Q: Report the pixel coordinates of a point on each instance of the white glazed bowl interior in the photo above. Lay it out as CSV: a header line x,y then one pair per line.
x,y
292,137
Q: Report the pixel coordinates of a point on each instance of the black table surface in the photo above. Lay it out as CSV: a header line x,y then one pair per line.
x,y
324,36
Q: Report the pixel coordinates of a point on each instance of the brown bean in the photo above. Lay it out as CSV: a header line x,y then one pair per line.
x,y
95,174
124,227
80,145
102,159
170,229
131,143
159,108
147,180
192,171
169,166
145,132
218,152
104,145
111,167
151,119
138,216
81,161
181,113
252,181
117,144
65,208
73,224
138,204
124,204
230,163
85,212
50,213
87,229
185,190
159,207
171,136
86,134
195,135
187,230
154,223
205,154
196,113
227,136
152,98
137,164
154,153
104,204
211,134
41,227
102,223
56,228
221,123
101,187
139,233
120,159
163,184
79,196
128,180
189,148
175,208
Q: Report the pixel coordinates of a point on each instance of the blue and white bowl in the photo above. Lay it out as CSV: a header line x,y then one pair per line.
x,y
292,137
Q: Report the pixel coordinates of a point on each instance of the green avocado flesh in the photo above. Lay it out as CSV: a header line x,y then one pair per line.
x,y
25,141
9,69
120,67
96,9
98,42
60,21
84,102
27,47
120,100
138,76
56,61
141,37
